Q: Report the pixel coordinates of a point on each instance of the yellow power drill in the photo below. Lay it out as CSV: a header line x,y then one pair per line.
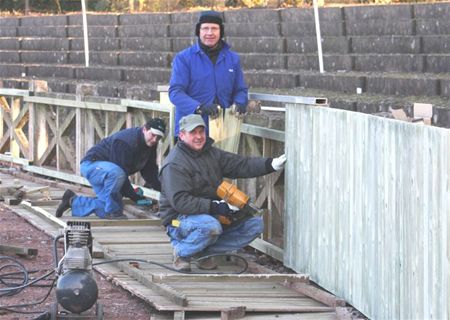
x,y
232,195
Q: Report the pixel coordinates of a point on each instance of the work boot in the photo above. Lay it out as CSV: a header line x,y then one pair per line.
x,y
181,264
66,202
206,263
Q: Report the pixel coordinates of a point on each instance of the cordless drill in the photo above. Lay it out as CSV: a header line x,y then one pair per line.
x,y
232,195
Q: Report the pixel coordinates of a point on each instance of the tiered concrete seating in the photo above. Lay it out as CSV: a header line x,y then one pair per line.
x,y
395,54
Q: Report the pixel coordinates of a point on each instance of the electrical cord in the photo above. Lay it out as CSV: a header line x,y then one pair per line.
x,y
8,308
16,265
15,288
244,268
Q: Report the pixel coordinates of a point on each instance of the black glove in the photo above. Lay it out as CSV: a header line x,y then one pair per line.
x,y
219,208
210,109
240,108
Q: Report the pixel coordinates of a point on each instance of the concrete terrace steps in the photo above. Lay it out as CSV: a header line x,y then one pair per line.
x,y
428,63
395,49
307,44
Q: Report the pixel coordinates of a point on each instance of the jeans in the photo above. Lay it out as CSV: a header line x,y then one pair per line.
x,y
106,178
204,233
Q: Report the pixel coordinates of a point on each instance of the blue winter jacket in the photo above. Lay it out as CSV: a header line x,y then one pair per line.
x,y
127,149
195,81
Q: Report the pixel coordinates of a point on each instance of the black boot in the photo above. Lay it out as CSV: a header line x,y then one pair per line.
x,y
66,202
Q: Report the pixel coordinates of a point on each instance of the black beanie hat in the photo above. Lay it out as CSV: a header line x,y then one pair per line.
x,y
210,17
158,125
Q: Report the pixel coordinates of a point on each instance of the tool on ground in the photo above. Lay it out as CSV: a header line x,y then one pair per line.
x,y
76,289
143,202
230,193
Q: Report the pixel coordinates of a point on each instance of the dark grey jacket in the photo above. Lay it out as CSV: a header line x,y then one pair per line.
x,y
189,179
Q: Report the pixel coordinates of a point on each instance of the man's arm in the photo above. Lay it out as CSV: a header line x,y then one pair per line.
x,y
240,89
178,187
237,166
150,173
179,83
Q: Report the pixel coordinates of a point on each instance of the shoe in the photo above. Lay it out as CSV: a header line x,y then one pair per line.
x,y
206,263
115,217
66,202
181,264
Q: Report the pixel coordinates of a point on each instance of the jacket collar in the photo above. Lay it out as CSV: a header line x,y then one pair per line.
x,y
198,49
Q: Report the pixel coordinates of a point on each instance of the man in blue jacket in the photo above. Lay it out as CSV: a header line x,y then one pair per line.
x,y
107,166
207,75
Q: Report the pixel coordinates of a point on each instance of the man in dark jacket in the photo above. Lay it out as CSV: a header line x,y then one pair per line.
x,y
208,74
189,205
107,166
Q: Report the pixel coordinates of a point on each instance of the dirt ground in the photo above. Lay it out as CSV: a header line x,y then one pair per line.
x,y
16,231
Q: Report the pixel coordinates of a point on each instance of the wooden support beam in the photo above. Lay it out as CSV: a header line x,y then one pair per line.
x,y
122,223
20,251
315,293
44,213
233,313
11,200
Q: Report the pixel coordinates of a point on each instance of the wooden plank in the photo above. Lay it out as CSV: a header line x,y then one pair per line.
x,y
316,293
122,223
232,277
145,105
76,104
233,313
163,289
20,251
42,212
266,133
268,248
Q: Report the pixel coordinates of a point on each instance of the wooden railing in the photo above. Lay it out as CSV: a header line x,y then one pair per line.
x,y
49,135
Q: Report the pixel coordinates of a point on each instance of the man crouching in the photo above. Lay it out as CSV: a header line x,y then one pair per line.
x,y
189,206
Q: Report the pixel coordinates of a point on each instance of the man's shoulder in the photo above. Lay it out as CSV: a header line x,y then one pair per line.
x,y
192,49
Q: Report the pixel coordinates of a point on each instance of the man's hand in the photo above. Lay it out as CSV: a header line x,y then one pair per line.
x,y
278,163
219,208
222,208
240,110
211,110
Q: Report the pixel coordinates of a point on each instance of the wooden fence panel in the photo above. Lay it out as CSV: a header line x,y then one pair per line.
x,y
367,210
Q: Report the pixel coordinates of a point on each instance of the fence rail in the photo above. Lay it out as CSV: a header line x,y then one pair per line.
x,y
50,135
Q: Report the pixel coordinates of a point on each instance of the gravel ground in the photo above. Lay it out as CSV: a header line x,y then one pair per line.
x,y
16,231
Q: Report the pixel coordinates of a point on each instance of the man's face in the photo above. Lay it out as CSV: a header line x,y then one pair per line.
x,y
209,34
151,139
195,139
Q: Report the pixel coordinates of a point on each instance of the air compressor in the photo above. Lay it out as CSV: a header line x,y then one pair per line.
x,y
76,288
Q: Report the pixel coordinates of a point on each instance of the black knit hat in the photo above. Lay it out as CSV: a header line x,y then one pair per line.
x,y
157,126
210,17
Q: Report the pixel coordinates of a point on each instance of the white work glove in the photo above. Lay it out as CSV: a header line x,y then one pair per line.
x,y
278,163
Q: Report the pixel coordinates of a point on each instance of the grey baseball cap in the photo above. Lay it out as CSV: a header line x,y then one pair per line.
x,y
190,122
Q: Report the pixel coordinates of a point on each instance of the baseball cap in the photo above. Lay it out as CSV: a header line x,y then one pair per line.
x,y
190,122
156,126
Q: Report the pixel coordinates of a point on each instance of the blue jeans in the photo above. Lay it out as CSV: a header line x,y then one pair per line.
x,y
106,178
204,233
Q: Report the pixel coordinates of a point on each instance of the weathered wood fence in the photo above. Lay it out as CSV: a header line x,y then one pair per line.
x,y
49,134
367,210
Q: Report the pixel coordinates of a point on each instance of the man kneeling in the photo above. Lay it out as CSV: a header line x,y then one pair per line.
x,y
189,206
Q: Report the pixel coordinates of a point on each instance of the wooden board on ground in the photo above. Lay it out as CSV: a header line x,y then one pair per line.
x,y
167,290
